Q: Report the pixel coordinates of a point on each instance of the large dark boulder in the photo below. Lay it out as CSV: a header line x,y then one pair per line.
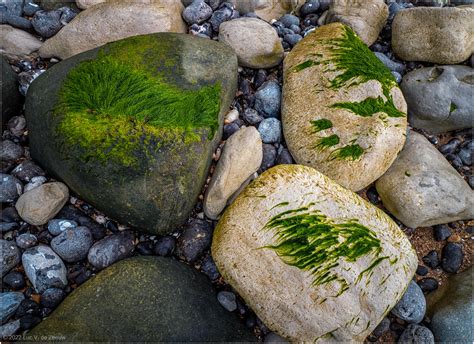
x,y
131,126
146,299
11,97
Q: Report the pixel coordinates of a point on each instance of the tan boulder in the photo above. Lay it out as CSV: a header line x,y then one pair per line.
x,y
16,42
342,111
41,204
437,35
298,247
366,18
111,21
268,9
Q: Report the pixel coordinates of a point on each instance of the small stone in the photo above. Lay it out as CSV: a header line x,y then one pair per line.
x,y
416,334
72,245
165,246
269,157
17,42
381,328
17,125
30,8
284,157
111,249
466,153
230,129
252,116
8,226
452,257
196,238
145,248
29,321
227,300
26,240
39,205
289,19
14,280
272,337
310,7
270,130
10,151
52,297
450,147
398,76
431,259
422,270
268,99
9,303
10,188
27,170
44,268
428,284
221,15
197,12
27,306
57,226
18,22
9,214
9,256
231,116
412,306
48,23
34,183
209,268
9,329
392,65
292,38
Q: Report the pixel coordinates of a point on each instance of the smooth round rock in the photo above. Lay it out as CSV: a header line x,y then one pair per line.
x,y
10,151
9,256
251,116
9,302
110,250
14,279
165,246
270,130
196,238
268,99
412,306
428,284
57,226
26,240
27,170
441,232
197,12
452,257
10,188
72,245
52,297
227,300
416,334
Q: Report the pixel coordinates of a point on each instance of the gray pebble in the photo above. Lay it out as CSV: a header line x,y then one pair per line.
x,y
227,300
223,14
252,116
111,249
269,157
416,334
284,156
292,38
57,226
72,245
26,240
392,65
27,170
289,19
17,125
10,188
311,6
270,130
34,183
9,256
196,238
398,76
30,8
412,306
47,23
9,303
197,12
268,99
52,297
9,329
18,22
466,153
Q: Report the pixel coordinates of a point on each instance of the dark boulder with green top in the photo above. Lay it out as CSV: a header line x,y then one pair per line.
x,y
131,126
147,299
11,97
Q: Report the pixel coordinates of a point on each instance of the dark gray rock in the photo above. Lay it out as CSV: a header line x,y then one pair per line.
x,y
452,257
196,238
441,232
224,13
284,156
270,130
428,284
289,20
309,7
30,8
44,268
151,298
11,97
17,21
227,300
14,280
466,153
57,226
416,334
52,297
111,249
9,303
13,7
72,245
197,12
252,116
292,38
10,151
9,256
390,64
269,157
9,329
381,328
27,170
49,5
450,147
431,259
412,306
165,246
209,268
10,188
26,240
268,99
17,125
47,23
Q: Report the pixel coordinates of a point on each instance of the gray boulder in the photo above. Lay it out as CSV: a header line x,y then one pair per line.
x,y
11,97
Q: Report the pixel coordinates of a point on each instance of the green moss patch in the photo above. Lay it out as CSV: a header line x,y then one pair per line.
x,y
452,108
325,142
321,124
370,106
112,108
350,152
310,241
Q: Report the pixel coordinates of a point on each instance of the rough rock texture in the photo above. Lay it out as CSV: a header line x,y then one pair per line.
x,y
16,42
150,298
451,308
422,189
294,206
84,4
111,21
342,110
366,17
241,157
267,9
440,98
9,256
438,35
11,97
153,175
255,42
39,205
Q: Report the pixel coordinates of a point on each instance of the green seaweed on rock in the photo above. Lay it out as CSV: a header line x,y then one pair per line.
x,y
349,152
310,241
329,141
370,106
321,124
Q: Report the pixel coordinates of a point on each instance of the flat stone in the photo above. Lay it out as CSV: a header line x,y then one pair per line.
x,y
41,204
255,42
241,157
437,35
9,302
16,42
293,293
422,189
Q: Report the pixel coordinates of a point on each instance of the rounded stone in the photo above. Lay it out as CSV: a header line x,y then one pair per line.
x,y
9,256
26,240
268,99
52,297
10,151
196,238
416,334
10,188
14,279
197,12
452,257
110,250
72,245
165,246
270,130
412,306
57,226
227,300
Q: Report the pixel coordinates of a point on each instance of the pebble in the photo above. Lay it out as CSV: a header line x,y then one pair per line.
x,y
44,268
14,280
29,321
196,238
111,249
9,329
9,303
221,15
251,116
260,78
9,256
269,157
381,328
209,268
452,257
441,232
145,248
52,297
270,130
197,12
450,147
30,8
12,7
431,259
72,245
227,300
284,156
412,306
232,116
268,99
165,246
288,20
34,183
57,226
392,65
422,270
10,151
10,188
26,240
27,170
310,7
398,76
48,23
292,38
9,214
17,125
466,153
416,334
428,284
27,306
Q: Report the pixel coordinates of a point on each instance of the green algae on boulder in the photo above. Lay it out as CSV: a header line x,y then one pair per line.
x,y
297,246
335,87
131,126
148,299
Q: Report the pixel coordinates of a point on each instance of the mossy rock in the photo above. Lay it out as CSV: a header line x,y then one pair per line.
x,y
146,299
11,97
131,126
